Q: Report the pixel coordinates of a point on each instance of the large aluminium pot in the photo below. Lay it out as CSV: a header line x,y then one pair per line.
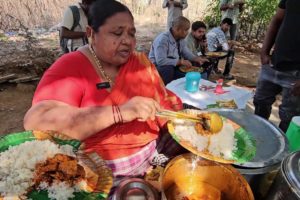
x,y
287,182
191,177
271,145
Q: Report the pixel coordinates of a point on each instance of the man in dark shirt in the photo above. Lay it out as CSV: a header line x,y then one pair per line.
x,y
280,72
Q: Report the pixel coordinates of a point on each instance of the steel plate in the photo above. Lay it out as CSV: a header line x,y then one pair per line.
x,y
271,142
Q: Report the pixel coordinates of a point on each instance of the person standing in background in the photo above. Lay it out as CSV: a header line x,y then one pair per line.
x,y
175,8
73,26
280,70
231,9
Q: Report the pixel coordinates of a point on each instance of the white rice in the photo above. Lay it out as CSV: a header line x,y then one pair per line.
x,y
18,164
186,131
58,191
221,144
61,190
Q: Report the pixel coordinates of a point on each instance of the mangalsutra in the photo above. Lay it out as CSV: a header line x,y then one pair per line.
x,y
99,66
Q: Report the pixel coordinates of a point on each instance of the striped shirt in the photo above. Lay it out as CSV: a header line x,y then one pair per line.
x,y
216,38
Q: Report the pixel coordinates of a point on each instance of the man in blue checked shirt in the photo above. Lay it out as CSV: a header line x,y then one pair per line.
x,y
216,41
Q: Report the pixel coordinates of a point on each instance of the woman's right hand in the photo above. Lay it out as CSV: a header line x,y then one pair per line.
x,y
140,108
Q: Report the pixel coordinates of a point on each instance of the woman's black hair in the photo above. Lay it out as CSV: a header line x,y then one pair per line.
x,y
101,10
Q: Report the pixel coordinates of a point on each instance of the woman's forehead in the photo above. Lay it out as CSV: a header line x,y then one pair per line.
x,y
120,18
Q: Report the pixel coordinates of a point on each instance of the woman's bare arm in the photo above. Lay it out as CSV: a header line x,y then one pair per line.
x,y
81,123
78,123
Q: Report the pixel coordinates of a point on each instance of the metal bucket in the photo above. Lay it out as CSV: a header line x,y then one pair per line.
x,y
287,183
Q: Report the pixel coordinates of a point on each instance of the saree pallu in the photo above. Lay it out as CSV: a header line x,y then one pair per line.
x,y
138,77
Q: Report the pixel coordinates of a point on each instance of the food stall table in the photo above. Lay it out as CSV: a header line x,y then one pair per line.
x,y
205,97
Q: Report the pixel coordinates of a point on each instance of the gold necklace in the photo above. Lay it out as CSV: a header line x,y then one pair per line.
x,y
99,66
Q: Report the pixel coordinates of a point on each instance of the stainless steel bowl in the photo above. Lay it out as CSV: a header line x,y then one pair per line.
x,y
137,189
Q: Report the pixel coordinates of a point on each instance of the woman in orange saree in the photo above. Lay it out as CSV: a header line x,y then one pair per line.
x,y
106,95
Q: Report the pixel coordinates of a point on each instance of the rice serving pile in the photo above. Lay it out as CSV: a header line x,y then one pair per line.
x,y
186,131
18,163
62,191
221,144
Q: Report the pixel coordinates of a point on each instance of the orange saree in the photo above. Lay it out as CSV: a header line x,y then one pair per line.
x,y
138,77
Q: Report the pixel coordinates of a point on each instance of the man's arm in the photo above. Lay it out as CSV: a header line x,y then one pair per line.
x,y
221,37
188,55
66,26
66,33
271,36
240,5
224,5
182,4
210,41
165,4
186,52
190,44
160,48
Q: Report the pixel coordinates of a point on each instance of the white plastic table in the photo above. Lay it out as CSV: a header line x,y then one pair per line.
x,y
201,99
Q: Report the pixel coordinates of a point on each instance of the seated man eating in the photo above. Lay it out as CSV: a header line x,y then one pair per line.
x,y
169,51
216,41
196,42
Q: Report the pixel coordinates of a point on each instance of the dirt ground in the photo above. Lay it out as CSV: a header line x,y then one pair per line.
x,y
15,99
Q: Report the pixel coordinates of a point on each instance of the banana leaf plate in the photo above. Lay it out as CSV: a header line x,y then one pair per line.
x,y
245,145
97,173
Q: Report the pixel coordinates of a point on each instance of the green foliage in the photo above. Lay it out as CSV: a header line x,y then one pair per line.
x,y
259,10
254,19
3,37
213,16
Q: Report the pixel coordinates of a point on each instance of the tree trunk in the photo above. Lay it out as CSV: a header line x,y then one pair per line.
x,y
258,31
250,31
